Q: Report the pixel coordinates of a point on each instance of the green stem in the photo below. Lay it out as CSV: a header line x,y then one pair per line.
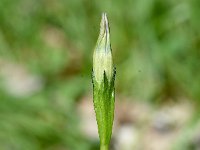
x,y
104,147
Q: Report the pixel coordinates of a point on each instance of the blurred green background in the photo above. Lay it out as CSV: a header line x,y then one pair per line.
x,y
46,49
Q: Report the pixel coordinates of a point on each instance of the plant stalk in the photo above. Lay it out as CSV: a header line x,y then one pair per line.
x,y
104,147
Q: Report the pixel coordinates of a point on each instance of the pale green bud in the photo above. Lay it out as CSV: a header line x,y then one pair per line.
x,y
103,84
102,57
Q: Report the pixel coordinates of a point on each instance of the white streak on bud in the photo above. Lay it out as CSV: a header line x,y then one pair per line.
x,y
102,57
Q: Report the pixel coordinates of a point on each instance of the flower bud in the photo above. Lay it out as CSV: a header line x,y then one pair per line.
x,y
102,57
103,84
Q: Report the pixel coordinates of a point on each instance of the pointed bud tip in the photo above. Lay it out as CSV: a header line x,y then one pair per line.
x,y
104,24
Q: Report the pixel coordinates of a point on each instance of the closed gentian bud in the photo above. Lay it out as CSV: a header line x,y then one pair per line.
x,y
102,58
103,84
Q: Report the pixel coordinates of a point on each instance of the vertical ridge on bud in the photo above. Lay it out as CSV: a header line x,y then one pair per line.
x,y
102,57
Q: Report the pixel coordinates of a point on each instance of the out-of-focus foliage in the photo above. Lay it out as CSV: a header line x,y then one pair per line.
x,y
156,46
